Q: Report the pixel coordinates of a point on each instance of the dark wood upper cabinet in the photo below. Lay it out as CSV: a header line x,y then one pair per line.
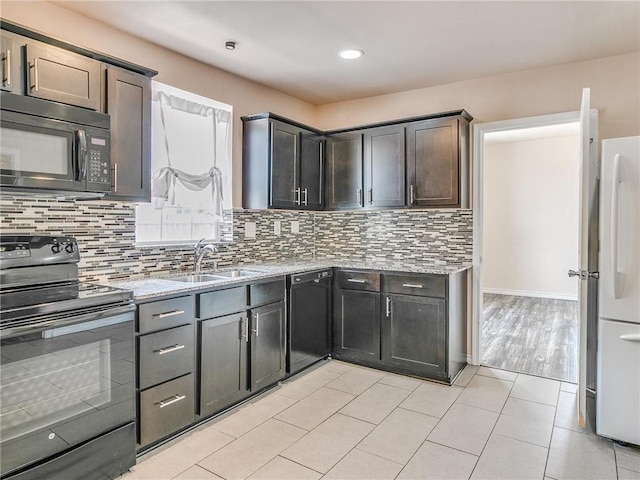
x,y
437,163
384,166
282,165
344,171
12,78
414,162
128,101
311,170
62,76
285,157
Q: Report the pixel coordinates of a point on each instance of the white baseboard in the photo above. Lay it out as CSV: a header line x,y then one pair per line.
x,y
521,293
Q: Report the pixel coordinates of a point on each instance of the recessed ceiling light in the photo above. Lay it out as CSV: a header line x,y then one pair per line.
x,y
350,54
230,45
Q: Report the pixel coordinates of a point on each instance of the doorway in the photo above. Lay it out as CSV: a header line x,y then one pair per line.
x,y
526,190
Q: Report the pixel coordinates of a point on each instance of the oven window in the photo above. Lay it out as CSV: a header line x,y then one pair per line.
x,y
37,392
24,151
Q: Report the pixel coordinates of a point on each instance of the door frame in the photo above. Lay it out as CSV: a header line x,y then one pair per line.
x,y
479,131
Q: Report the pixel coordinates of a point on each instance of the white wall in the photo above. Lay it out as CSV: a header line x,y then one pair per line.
x,y
531,217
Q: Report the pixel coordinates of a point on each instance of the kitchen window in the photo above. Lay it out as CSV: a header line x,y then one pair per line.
x,y
191,168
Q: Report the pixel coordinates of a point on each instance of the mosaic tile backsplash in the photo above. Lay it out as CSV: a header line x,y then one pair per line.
x,y
105,231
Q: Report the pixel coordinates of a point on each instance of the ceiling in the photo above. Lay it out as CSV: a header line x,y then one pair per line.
x,y
292,45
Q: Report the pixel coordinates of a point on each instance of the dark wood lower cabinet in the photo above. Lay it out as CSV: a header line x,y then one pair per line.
x,y
267,345
356,325
414,334
223,362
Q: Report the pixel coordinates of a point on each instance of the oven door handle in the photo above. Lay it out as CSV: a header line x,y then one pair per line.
x,y
54,327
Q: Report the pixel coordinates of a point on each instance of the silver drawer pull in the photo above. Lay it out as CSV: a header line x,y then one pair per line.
x,y
170,349
631,337
168,401
168,314
356,280
412,285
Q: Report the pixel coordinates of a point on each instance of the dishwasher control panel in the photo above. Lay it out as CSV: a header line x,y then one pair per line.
x,y
311,276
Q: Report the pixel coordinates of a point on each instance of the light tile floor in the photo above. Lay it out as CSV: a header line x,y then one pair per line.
x,y
341,421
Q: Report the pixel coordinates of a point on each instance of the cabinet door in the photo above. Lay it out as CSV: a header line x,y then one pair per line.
x,y
384,160
62,76
414,334
128,101
344,171
285,181
311,170
433,163
11,62
267,345
223,362
356,325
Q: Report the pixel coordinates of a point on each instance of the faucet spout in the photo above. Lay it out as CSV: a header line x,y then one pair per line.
x,y
199,252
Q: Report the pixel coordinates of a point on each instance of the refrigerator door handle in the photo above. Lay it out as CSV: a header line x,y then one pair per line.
x,y
613,226
631,337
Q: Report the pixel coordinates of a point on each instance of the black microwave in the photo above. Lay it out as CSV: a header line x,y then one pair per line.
x,y
51,147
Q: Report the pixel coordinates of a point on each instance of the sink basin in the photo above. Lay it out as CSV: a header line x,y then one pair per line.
x,y
215,277
238,272
200,278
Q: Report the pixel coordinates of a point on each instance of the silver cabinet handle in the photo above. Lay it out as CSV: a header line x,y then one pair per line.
x,y
412,285
370,196
296,196
305,202
168,314
411,195
360,201
631,337
245,329
388,306
168,401
115,177
6,58
170,349
257,330
356,280
36,82
321,172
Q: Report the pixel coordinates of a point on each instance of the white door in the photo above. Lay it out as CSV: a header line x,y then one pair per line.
x,y
588,236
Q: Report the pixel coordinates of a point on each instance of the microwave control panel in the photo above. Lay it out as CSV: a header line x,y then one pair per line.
x,y
99,162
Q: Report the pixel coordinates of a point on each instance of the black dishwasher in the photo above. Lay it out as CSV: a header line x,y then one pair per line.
x,y
309,330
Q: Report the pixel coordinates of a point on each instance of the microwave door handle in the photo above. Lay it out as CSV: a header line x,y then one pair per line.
x,y
81,159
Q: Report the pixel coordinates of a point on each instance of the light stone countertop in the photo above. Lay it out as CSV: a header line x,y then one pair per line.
x,y
146,288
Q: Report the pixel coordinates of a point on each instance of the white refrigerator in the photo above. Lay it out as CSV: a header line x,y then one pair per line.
x,y
618,381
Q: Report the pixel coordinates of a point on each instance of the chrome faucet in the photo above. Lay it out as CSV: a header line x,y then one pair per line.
x,y
199,252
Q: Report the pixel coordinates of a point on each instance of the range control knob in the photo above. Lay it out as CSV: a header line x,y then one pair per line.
x,y
56,248
69,248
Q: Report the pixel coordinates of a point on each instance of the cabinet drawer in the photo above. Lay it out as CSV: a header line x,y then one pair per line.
x,y
267,292
423,285
355,280
221,302
165,355
166,408
165,314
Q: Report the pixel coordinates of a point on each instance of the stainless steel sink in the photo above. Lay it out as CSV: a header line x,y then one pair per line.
x,y
216,276
238,272
200,278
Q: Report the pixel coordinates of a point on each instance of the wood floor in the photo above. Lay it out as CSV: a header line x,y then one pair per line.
x,y
538,336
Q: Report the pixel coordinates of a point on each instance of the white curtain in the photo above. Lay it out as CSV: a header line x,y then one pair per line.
x,y
165,178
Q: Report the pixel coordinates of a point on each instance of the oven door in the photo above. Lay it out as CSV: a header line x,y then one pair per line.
x,y
64,382
41,153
